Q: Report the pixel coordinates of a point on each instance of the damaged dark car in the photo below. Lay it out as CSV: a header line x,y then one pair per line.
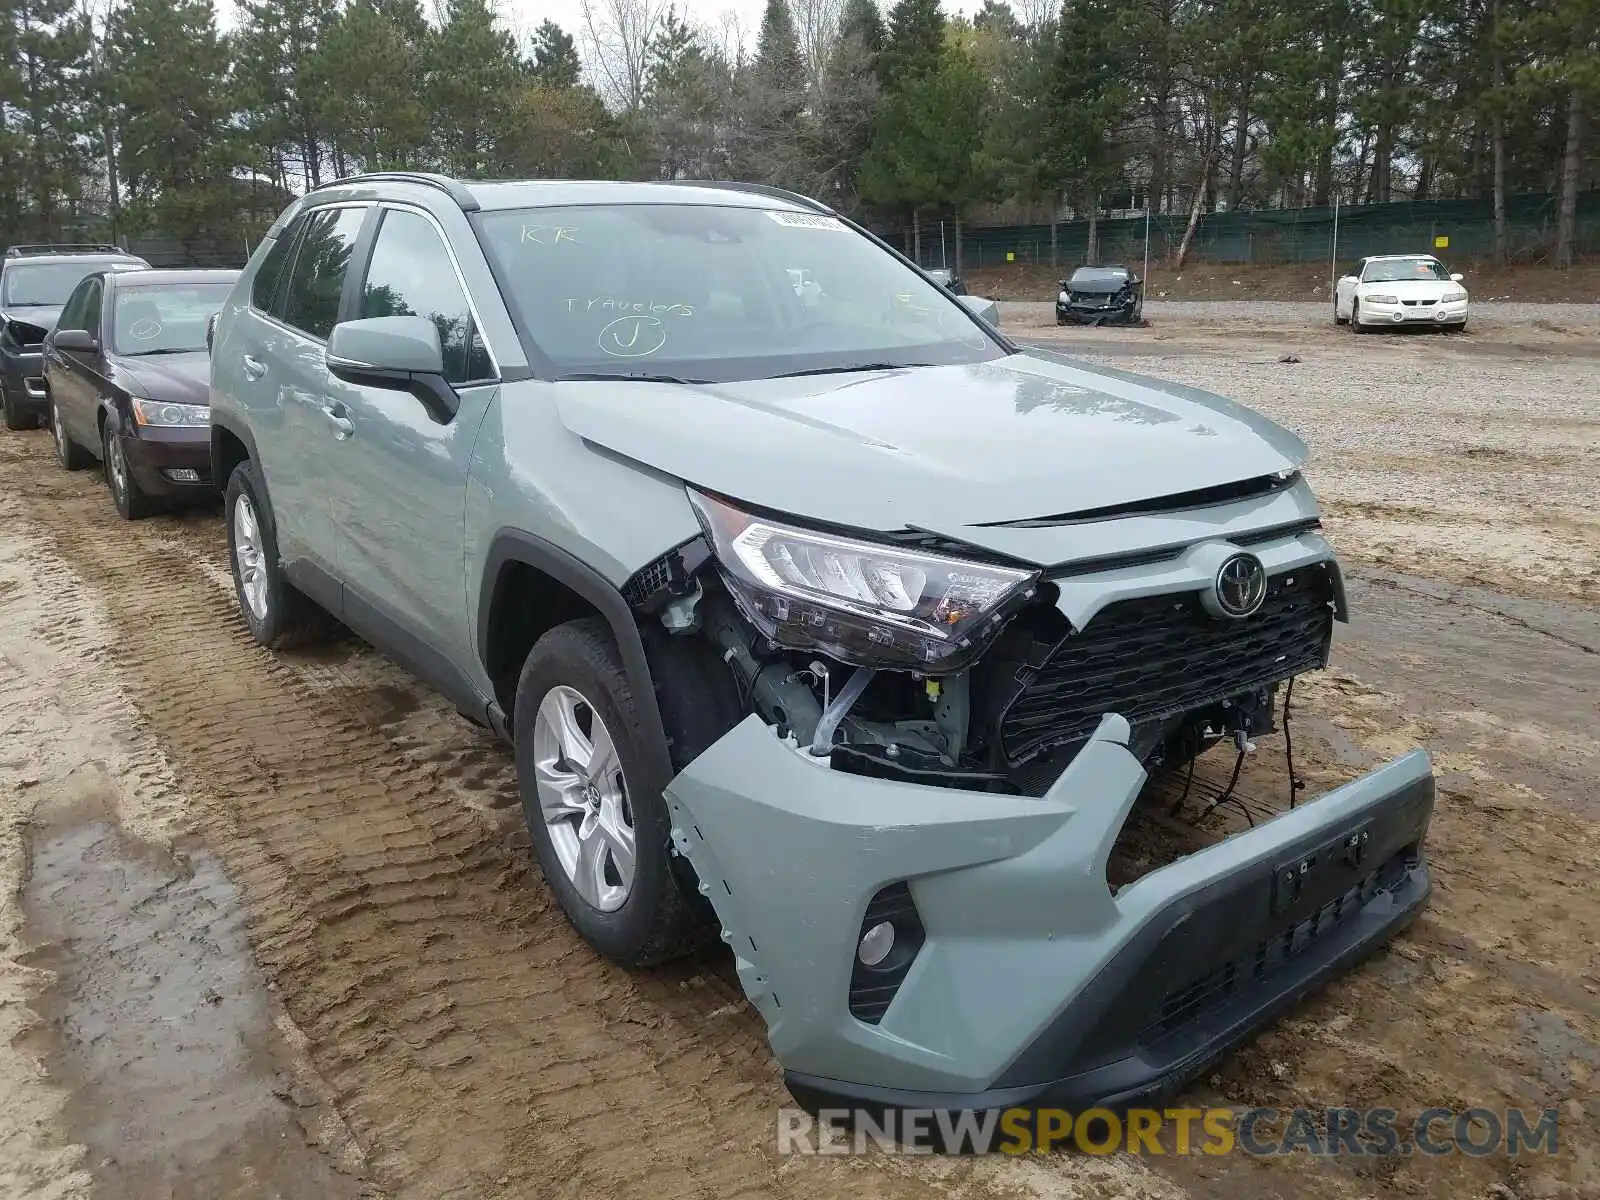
x,y
1109,295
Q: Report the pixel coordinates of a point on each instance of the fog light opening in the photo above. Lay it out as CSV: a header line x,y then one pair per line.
x,y
876,944
183,475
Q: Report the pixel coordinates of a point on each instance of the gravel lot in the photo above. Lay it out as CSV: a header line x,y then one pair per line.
x,y
1293,314
268,926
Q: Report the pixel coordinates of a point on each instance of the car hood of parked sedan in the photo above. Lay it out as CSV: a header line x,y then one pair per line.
x,y
41,317
1027,436
175,378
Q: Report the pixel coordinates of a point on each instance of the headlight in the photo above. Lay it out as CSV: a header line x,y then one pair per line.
x,y
156,412
860,602
1376,298
1063,297
1452,297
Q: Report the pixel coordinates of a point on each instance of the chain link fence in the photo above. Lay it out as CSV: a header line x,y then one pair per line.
x,y
1459,229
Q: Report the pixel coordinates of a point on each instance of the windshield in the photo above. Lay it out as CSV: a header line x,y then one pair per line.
x,y
1099,275
713,293
165,318
50,283
1395,270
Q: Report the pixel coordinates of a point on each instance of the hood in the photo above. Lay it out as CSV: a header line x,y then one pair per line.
x,y
35,320
1029,435
175,378
1413,289
1096,287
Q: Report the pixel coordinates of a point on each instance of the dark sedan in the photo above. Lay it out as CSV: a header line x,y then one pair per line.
x,y
128,378
1109,295
35,282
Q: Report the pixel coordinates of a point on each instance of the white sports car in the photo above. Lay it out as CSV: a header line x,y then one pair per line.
x,y
1400,289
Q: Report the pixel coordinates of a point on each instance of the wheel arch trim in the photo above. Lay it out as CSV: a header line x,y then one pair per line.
x,y
511,546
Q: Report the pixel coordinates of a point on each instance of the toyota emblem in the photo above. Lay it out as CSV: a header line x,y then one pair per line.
x,y
1241,585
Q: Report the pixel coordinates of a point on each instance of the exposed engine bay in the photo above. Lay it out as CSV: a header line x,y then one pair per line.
x,y
1013,717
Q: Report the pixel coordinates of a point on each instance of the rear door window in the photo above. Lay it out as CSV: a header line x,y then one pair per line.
x,y
316,283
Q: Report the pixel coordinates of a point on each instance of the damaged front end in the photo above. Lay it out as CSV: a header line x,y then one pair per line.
x,y
908,835
1093,297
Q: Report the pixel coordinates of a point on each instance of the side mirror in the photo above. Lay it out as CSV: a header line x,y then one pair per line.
x,y
1457,277
80,341
985,309
396,353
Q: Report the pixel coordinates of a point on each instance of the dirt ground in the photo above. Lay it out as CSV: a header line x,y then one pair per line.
x,y
268,925
1302,281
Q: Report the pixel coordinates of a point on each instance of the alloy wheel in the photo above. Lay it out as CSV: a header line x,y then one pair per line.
x,y
249,558
583,798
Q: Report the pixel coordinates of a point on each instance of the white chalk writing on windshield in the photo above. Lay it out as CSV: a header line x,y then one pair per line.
x,y
633,336
607,304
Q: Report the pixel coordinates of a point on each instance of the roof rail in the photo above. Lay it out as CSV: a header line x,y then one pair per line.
x,y
451,187
758,189
30,248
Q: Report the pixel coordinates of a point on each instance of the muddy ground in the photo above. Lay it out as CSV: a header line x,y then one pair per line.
x,y
268,925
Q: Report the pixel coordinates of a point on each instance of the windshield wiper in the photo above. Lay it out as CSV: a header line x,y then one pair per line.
x,y
849,367
636,377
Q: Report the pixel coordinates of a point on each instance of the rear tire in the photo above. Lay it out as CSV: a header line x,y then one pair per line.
x,y
69,454
1337,319
653,913
278,615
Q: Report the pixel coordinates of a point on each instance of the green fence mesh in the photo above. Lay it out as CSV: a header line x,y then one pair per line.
x,y
1268,236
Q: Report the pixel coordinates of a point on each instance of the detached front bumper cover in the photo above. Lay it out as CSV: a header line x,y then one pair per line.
x,y
1030,984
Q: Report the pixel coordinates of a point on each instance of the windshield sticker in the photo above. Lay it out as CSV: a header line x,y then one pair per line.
x,y
606,304
549,235
633,336
805,220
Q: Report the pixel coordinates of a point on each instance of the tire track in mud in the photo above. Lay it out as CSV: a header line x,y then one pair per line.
x,y
474,1044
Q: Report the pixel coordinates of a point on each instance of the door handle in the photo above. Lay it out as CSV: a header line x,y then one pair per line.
x,y
254,368
341,423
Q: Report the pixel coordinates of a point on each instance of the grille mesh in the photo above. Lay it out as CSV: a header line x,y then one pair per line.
x,y
1154,657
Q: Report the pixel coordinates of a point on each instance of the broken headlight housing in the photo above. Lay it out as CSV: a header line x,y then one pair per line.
x,y
861,602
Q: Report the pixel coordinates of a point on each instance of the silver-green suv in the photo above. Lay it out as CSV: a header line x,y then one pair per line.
x,y
821,616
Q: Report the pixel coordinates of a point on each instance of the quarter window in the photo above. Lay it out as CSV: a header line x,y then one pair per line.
x,y
317,280
411,274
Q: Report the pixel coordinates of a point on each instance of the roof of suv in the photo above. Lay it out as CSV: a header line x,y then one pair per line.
x,y
491,194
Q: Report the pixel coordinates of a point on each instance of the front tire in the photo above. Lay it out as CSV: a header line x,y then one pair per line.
x,y
132,503
69,454
601,836
12,414
279,615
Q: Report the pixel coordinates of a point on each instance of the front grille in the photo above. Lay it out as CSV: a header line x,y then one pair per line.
x,y
1154,657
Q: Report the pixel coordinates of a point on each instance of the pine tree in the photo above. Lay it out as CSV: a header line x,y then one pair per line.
x,y
555,57
177,154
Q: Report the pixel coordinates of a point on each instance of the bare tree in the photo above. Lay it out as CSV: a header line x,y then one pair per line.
x,y
726,37
816,25
618,36
1034,13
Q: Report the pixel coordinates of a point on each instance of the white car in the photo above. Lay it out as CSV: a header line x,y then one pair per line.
x,y
1400,289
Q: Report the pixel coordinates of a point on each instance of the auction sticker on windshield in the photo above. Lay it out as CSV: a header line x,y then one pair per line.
x,y
805,220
